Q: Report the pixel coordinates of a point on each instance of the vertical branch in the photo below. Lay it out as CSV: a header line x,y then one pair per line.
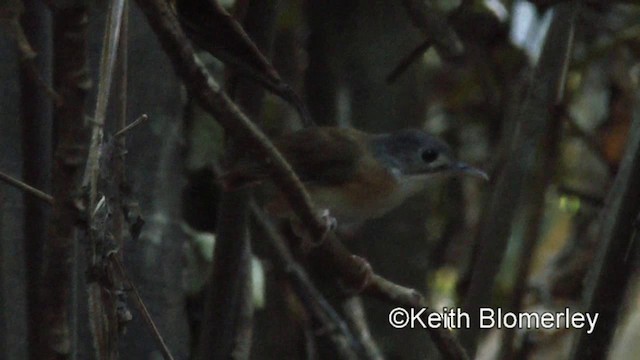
x,y
547,83
36,113
119,174
226,330
235,123
535,198
103,290
614,264
71,79
107,64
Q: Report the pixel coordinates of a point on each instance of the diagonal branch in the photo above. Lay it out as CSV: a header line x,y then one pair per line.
x,y
546,88
213,99
435,27
330,251
345,342
118,265
162,345
26,188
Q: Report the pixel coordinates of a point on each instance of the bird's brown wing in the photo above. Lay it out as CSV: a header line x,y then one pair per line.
x,y
319,156
323,155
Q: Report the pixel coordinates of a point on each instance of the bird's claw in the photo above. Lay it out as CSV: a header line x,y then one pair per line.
x,y
308,242
330,222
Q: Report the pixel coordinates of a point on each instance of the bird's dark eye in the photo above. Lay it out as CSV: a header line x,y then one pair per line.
x,y
429,155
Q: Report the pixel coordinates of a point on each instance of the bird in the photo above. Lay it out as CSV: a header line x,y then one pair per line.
x,y
352,174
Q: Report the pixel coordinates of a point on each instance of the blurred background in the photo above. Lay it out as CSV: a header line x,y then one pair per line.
x,y
543,95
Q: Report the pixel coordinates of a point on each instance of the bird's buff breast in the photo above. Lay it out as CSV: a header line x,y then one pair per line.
x,y
369,195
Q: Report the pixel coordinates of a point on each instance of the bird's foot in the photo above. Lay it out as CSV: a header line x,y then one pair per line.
x,y
308,242
330,222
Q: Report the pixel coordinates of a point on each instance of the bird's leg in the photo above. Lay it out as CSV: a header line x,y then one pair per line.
x,y
330,222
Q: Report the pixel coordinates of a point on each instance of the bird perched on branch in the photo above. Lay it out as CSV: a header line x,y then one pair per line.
x,y
354,174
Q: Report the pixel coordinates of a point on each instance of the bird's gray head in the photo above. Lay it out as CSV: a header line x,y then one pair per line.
x,y
414,152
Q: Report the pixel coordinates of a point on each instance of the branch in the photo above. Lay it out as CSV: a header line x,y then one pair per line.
x,y
26,188
118,265
435,27
213,29
387,291
340,335
408,60
334,258
162,345
203,87
618,247
103,320
107,66
27,60
330,251
143,118
71,79
546,89
353,309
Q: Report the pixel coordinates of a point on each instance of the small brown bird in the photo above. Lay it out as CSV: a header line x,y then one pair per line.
x,y
354,174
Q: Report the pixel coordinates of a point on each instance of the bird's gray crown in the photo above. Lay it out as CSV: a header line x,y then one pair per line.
x,y
411,151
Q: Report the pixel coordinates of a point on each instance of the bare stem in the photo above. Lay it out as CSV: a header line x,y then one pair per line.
x,y
26,188
162,345
143,118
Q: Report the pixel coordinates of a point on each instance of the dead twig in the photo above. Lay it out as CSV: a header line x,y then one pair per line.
x,y
143,118
107,66
204,88
435,27
118,264
26,188
27,60
329,250
340,334
408,60
353,309
388,291
162,345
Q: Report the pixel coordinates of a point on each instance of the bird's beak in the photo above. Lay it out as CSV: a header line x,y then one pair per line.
x,y
466,169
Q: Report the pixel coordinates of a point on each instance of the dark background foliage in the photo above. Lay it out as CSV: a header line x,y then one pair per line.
x,y
543,95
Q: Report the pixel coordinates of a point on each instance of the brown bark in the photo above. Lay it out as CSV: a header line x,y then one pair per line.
x,y
72,82
36,145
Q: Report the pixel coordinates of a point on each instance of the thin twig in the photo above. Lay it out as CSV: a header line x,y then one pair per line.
x,y
330,251
207,91
546,88
388,291
408,60
310,296
166,353
135,123
435,27
139,302
26,188
354,313
27,59
107,66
